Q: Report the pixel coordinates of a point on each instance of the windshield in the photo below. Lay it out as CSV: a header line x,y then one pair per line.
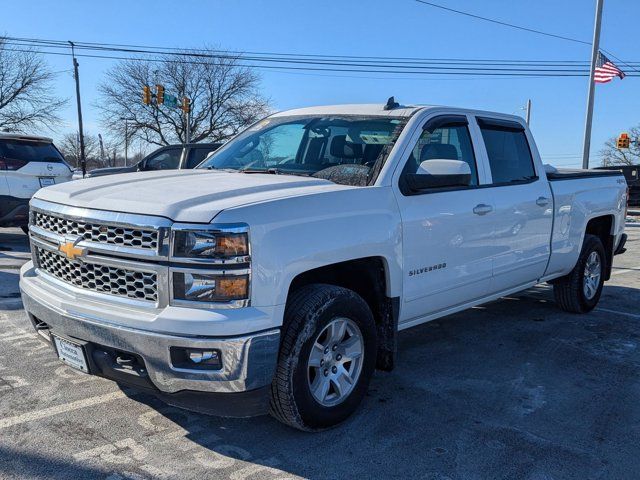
x,y
343,149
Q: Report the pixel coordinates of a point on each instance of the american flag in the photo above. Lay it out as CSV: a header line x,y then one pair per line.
x,y
605,70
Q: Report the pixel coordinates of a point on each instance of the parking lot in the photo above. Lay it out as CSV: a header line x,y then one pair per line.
x,y
514,389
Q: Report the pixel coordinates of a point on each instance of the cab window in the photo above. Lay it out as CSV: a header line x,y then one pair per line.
x,y
165,160
448,141
508,151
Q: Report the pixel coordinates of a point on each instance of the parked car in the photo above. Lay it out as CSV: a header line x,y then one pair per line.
x,y
277,274
632,175
172,157
27,163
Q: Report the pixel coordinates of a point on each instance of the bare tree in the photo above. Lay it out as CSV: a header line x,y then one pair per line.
x,y
612,155
25,85
224,98
70,148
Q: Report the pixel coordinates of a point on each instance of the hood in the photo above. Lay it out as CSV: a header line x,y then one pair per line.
x,y
181,195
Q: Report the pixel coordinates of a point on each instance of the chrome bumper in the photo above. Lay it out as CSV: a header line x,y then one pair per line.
x,y
248,361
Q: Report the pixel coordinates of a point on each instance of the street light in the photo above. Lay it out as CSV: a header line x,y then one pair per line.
x,y
126,138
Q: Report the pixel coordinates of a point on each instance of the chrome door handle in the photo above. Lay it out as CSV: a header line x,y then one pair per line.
x,y
542,201
482,209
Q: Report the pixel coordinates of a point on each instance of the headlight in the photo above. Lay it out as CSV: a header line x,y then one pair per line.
x,y
210,244
206,287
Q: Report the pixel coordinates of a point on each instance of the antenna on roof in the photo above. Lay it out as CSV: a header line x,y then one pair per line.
x,y
391,104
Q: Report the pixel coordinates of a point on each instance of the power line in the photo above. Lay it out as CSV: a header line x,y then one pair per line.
x,y
318,64
531,73
504,24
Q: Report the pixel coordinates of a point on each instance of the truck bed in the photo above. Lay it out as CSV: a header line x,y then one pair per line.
x,y
572,173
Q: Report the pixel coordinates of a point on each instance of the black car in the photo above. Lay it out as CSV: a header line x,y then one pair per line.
x,y
632,175
171,157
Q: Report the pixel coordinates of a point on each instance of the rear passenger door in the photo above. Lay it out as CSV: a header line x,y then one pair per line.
x,y
446,232
523,205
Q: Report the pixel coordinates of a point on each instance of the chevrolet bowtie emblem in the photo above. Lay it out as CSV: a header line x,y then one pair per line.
x,y
70,250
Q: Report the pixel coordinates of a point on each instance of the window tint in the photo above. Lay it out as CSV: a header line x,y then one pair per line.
x,y
197,155
29,151
509,155
446,142
166,160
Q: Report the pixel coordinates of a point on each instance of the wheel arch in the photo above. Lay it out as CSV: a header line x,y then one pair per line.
x,y
603,227
369,277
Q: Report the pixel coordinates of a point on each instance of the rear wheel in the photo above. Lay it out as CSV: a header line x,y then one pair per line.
x,y
326,358
579,292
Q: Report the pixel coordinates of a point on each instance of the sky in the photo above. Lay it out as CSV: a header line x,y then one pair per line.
x,y
397,28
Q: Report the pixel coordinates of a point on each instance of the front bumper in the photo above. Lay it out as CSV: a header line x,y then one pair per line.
x,y
248,361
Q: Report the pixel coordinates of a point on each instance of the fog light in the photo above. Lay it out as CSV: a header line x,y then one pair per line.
x,y
196,358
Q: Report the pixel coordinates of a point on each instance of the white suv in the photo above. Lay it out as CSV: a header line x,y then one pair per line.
x,y
27,163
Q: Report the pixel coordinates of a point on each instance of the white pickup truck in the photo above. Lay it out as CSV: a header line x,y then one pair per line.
x,y
277,275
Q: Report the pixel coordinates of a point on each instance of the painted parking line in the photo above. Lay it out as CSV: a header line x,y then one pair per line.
x,y
626,270
625,314
58,409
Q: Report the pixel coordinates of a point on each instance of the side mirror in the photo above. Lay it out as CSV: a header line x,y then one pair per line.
x,y
440,174
142,166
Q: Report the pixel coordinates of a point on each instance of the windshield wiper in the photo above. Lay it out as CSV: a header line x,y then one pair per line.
x,y
273,171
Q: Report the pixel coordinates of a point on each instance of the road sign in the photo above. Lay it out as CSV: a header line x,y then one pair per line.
x,y
170,100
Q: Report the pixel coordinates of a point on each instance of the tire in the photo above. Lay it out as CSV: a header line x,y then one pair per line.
x,y
312,313
569,291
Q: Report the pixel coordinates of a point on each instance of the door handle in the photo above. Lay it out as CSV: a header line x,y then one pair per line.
x,y
482,209
542,201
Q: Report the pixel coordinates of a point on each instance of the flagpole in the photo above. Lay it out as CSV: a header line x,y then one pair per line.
x,y
590,96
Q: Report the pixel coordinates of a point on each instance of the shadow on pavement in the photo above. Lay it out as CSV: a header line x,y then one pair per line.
x,y
513,389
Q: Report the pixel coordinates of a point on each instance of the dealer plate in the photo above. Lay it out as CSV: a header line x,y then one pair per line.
x,y
70,353
46,181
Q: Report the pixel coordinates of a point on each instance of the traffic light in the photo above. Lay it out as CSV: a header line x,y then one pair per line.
x,y
623,141
146,95
186,105
159,94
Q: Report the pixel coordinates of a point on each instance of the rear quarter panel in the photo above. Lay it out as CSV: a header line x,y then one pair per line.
x,y
576,201
292,235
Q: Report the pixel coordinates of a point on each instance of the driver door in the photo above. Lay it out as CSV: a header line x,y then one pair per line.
x,y
447,231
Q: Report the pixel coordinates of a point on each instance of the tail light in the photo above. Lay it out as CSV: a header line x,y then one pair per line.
x,y
12,163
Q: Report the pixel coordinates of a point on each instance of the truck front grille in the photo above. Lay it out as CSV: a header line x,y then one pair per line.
x,y
100,278
96,232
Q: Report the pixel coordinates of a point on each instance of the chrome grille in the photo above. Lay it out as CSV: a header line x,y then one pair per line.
x,y
100,278
96,232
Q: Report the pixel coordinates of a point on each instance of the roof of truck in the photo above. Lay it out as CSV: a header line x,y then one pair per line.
x,y
20,136
354,109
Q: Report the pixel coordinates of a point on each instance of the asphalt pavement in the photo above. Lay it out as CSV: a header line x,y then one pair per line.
x,y
516,389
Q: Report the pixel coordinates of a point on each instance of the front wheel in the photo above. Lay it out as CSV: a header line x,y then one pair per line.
x,y
579,292
326,358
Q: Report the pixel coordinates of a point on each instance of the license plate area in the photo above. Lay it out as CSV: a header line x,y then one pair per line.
x,y
71,353
46,181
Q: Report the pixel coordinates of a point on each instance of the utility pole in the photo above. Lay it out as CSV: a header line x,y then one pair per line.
x,y
188,132
528,117
126,138
126,142
83,160
590,96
